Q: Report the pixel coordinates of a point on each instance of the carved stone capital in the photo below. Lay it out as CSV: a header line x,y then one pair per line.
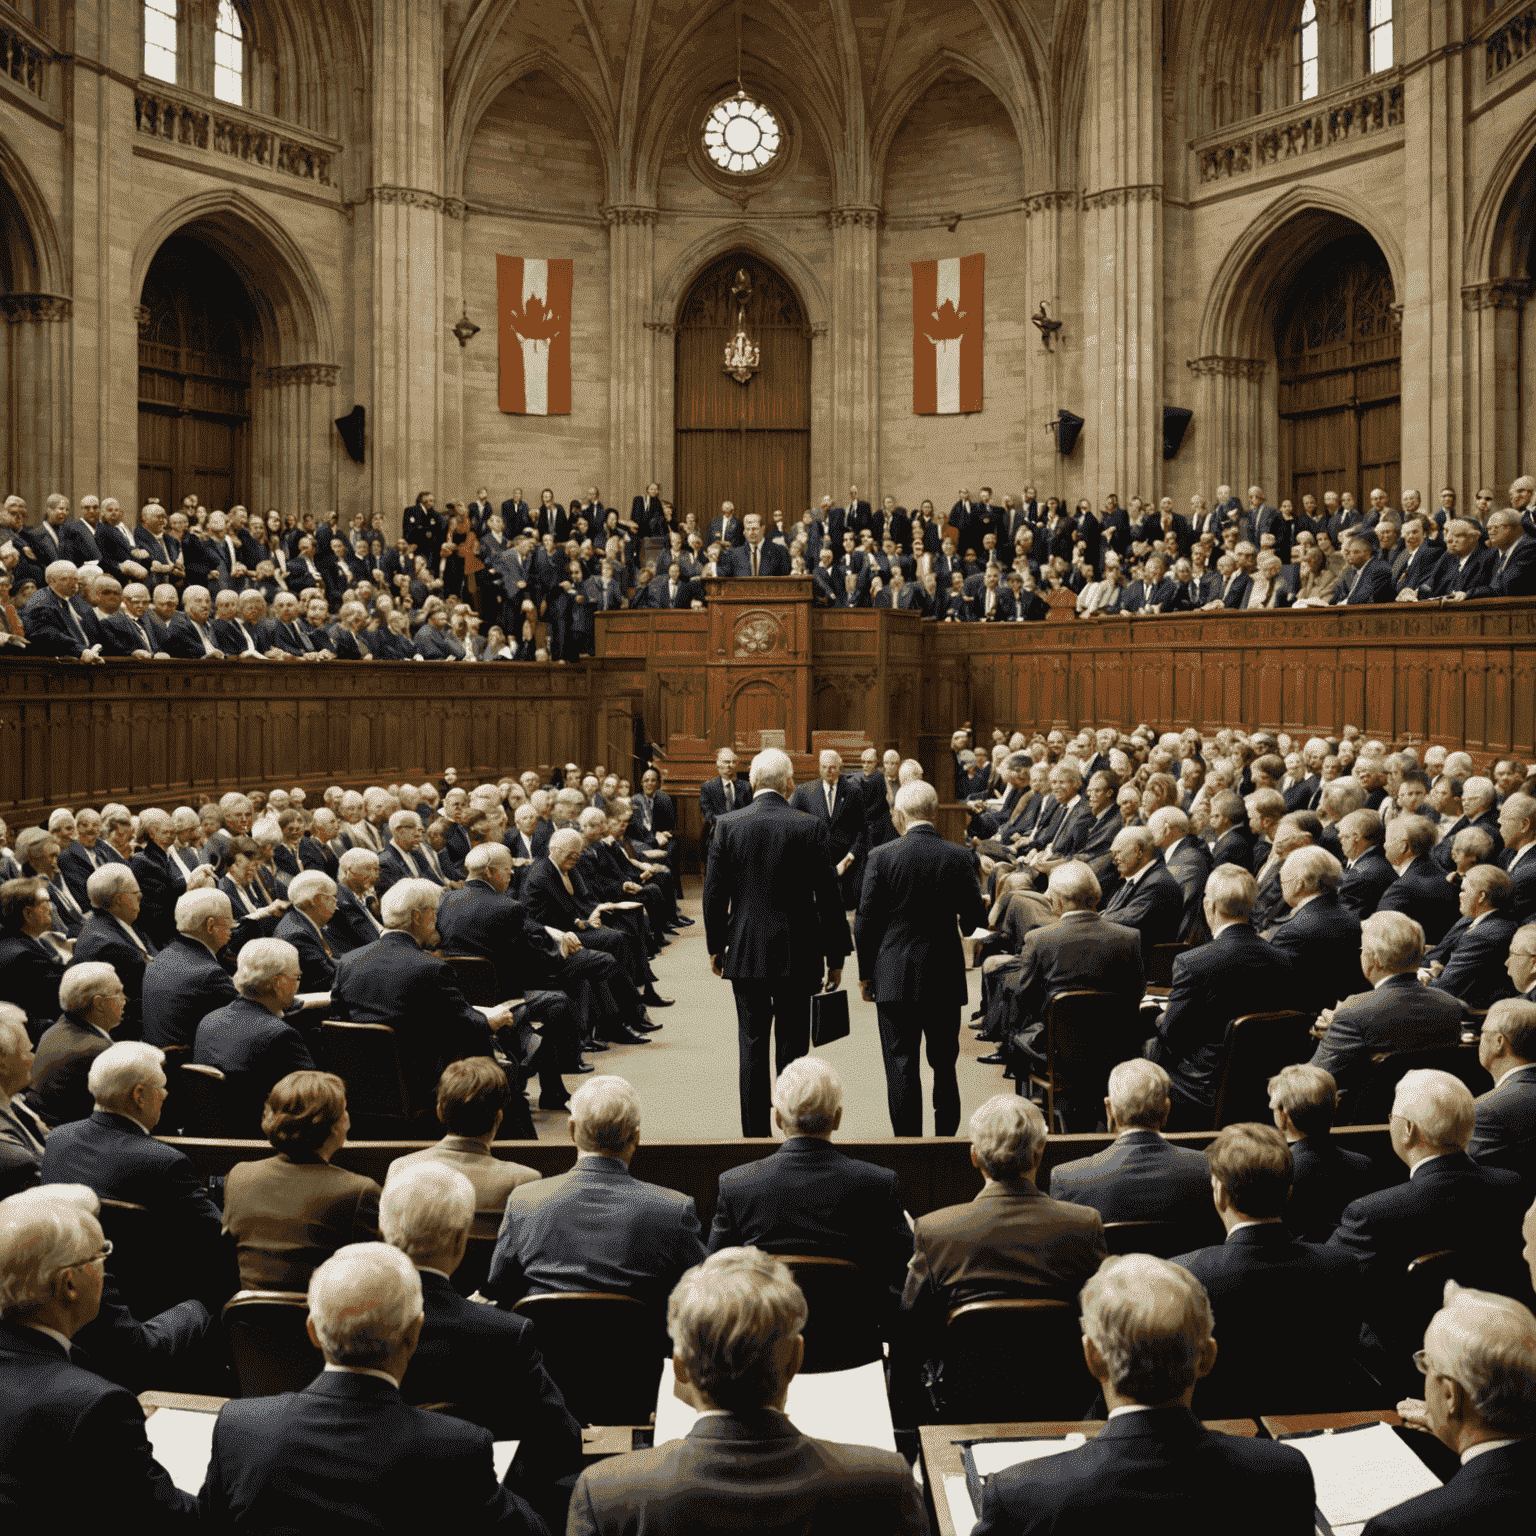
x,y
629,213
1113,197
818,329
283,375
455,208
1227,367
856,215
408,197
1501,293
661,327
1044,202
35,306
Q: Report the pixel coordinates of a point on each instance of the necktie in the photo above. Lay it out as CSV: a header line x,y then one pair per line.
x,y
250,640
74,621
829,793
671,594
730,795
128,929
208,646
410,863
33,1131
330,953
991,601
65,897
298,638
143,636
245,901
754,559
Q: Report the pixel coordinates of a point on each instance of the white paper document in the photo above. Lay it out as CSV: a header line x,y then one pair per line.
x,y
1361,1472
182,1442
847,1406
502,1452
962,1513
993,1455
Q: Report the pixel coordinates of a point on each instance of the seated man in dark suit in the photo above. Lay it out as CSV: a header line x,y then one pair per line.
x,y
1448,1202
110,935
1325,1177
32,957
736,1323
1504,1135
348,1450
1367,875
185,982
1147,1338
356,921
22,1132
249,1040
63,1428
1480,1401
1421,889
483,1360
1141,1176
1399,1013
1319,936
116,1154
1517,827
595,1228
394,981
808,1197
1235,974
1469,961
94,1003
1188,859
312,904
1147,898
1287,1313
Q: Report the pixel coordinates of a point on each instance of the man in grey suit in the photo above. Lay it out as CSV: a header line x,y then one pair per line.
x,y
1399,1013
596,1228
773,922
1505,1133
736,1324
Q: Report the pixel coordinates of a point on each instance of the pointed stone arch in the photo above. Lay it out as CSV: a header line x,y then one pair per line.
x,y
674,284
44,269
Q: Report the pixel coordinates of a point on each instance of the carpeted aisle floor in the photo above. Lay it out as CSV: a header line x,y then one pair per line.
x,y
686,1077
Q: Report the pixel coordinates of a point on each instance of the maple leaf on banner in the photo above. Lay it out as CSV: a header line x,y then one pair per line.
x,y
535,321
949,327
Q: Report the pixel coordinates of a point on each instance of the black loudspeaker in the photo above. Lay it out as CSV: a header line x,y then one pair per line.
x,y
1067,428
351,428
1176,422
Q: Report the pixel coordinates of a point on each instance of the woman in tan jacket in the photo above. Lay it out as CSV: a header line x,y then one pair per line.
x,y
1317,580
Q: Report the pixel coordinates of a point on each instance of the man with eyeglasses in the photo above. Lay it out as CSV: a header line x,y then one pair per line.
x,y
1479,1367
66,1434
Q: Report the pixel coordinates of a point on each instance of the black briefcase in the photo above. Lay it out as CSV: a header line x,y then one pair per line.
x,y
829,1016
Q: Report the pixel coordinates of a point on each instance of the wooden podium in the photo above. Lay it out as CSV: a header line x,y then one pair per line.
x,y
758,660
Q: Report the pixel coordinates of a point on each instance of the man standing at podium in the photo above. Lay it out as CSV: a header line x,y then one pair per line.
x,y
755,557
773,920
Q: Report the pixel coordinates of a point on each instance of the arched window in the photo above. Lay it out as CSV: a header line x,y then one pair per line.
x,y
229,55
1378,35
160,24
1306,53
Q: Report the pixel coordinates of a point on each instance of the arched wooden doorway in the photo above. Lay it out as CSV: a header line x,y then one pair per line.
x,y
1339,340
195,378
746,443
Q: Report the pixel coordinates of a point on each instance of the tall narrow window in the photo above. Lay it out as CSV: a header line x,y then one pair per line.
x,y
1378,36
1306,53
160,40
229,55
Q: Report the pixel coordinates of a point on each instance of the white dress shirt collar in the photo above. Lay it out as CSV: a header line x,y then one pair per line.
x,y
59,1338
362,1370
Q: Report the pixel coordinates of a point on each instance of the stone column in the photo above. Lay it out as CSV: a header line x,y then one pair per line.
x,y
453,462
37,400
634,460
293,447
855,349
407,252
1123,249
1229,422
1494,377
1051,380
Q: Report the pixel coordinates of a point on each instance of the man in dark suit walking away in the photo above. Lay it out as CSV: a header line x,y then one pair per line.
x,y
911,966
773,921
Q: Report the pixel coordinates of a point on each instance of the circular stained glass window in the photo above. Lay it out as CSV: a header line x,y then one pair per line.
x,y
741,135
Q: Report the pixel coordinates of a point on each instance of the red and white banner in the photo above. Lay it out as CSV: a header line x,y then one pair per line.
x,y
533,331
948,324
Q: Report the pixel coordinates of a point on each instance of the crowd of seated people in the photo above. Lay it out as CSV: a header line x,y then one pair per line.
x,y
199,583
233,930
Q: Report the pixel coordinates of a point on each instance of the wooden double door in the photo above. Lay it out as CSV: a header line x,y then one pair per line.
x,y
745,443
1339,342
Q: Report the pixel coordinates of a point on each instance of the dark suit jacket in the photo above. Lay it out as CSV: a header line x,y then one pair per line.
x,y
1322,942
478,921
102,939
184,642
1400,1015
1153,906
161,884
594,1228
772,560
66,1431
1492,1492
114,1156
1424,894
391,981
919,896
1162,1468
77,866
1234,846
1474,957
772,907
808,1196
1523,877
1235,974
62,1064
845,828
748,1471
1287,1317
1417,571
254,1049
1450,575
1364,884
348,1453
29,978
1324,1179
1141,1177
317,969
1505,1133
1373,583
1189,862
48,628
288,1214
712,802
313,854
1511,573
350,928
1080,951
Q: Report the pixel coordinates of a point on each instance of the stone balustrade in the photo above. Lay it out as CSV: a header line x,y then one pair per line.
x,y
22,60
1506,45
